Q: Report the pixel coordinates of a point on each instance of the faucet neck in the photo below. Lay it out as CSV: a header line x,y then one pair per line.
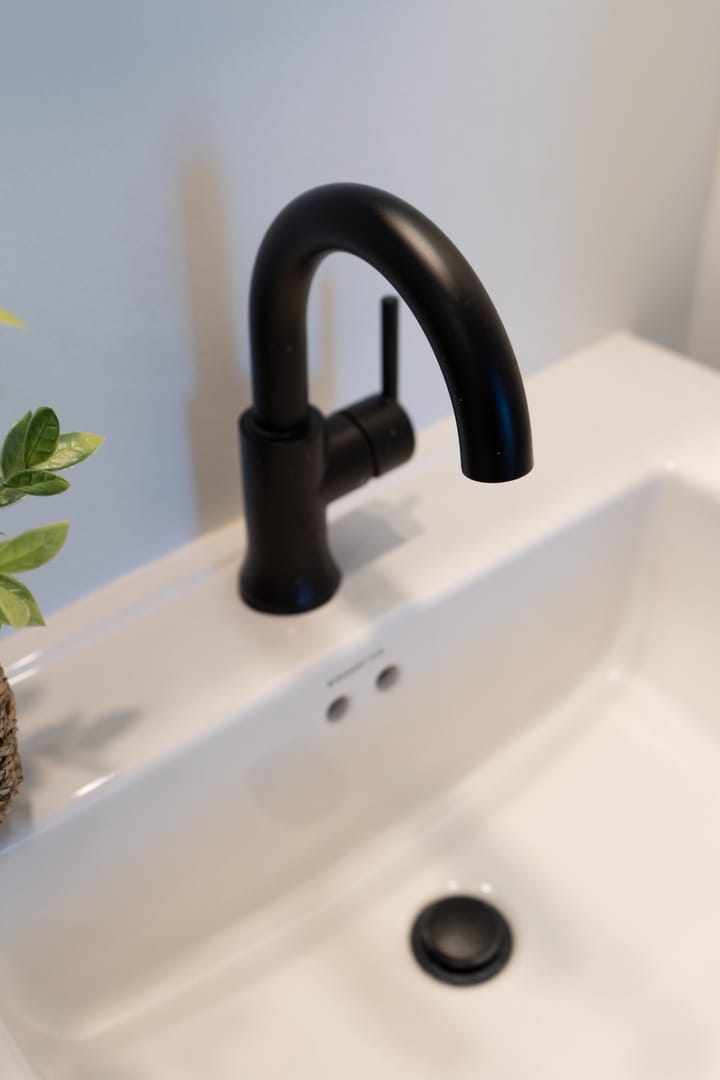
x,y
437,283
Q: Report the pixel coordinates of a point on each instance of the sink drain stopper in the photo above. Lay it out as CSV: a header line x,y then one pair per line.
x,y
461,940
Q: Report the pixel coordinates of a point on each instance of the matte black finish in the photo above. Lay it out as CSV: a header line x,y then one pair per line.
x,y
389,330
288,567
292,467
461,940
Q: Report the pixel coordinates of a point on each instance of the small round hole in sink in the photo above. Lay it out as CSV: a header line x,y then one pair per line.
x,y
388,677
338,708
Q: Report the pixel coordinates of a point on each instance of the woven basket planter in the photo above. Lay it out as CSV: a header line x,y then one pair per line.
x,y
10,768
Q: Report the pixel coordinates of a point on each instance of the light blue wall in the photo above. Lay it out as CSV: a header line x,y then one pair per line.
x,y
566,147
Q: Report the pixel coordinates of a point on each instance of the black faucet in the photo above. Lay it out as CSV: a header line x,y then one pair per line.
x,y
295,461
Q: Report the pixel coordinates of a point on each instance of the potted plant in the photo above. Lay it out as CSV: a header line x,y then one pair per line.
x,y
33,452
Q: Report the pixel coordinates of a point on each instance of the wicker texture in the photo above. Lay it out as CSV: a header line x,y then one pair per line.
x,y
10,768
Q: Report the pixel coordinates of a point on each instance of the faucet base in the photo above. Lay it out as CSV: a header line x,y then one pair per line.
x,y
288,568
304,598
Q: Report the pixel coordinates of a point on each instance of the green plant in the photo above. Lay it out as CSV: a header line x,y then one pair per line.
x,y
33,452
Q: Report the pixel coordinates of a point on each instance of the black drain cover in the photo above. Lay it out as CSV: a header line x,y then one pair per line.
x,y
461,940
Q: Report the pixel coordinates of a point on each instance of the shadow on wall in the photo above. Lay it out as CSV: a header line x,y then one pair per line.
x,y
323,379
703,338
223,389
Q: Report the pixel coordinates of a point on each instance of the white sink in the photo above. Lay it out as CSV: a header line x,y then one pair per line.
x,y
207,878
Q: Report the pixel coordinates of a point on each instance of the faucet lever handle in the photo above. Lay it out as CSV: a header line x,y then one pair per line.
x,y
389,325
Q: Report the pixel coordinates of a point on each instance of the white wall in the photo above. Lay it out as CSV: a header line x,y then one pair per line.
x,y
566,147
704,335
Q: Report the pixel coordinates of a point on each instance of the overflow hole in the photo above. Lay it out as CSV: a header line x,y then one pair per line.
x,y
338,708
388,677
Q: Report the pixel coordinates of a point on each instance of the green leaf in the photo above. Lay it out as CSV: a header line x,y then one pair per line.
x,y
21,591
32,548
13,610
8,319
8,496
37,482
71,449
12,455
42,436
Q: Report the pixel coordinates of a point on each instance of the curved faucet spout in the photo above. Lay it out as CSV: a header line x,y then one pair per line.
x,y
295,461
438,285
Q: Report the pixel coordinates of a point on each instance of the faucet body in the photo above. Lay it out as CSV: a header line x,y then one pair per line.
x,y
295,461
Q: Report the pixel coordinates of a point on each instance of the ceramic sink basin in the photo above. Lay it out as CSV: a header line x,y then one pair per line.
x,y
231,820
